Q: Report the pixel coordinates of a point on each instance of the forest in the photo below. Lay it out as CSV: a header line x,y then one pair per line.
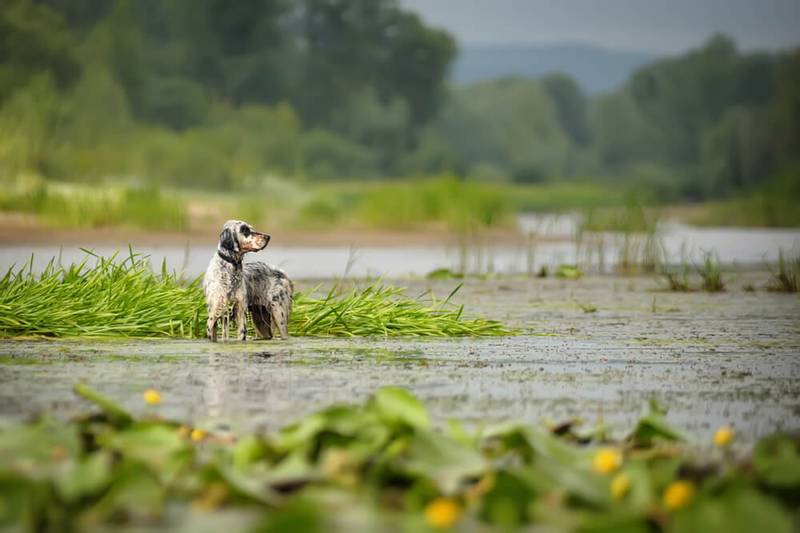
x,y
214,95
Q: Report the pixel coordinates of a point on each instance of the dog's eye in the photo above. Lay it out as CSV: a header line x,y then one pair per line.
x,y
245,231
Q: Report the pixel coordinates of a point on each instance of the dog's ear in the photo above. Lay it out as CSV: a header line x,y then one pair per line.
x,y
227,240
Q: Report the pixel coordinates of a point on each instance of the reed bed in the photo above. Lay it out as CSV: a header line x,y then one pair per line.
x,y
123,297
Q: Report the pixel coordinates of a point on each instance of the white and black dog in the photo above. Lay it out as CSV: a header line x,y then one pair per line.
x,y
233,288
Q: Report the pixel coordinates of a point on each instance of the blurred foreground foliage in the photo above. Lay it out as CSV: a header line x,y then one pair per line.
x,y
124,297
383,464
204,95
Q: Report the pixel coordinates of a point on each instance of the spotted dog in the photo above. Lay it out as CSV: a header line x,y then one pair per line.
x,y
233,288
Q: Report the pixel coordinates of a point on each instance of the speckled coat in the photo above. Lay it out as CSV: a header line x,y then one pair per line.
x,y
232,288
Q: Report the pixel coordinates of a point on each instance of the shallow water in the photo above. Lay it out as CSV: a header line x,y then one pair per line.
x,y
554,245
713,359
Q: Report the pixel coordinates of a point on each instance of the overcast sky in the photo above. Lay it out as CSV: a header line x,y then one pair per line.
x,y
649,25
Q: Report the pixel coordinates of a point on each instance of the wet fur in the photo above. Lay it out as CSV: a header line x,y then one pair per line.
x,y
232,288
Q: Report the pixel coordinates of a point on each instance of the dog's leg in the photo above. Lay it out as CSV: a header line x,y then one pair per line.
x,y
226,324
211,327
280,319
241,321
262,321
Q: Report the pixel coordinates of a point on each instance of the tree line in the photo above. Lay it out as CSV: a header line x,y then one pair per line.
x,y
215,94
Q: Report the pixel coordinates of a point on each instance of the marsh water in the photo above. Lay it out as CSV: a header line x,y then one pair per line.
x,y
553,242
713,359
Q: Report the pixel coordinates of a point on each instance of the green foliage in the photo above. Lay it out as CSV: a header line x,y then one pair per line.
x,y
711,273
461,205
78,207
125,298
786,277
384,459
35,41
217,97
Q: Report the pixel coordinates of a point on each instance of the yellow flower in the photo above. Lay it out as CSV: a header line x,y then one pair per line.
x,y
723,436
620,486
442,513
197,434
678,494
607,460
152,397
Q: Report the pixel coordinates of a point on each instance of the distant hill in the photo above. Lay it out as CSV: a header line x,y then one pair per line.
x,y
596,69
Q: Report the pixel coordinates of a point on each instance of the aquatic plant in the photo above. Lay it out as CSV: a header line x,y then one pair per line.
x,y
125,297
381,465
787,276
711,273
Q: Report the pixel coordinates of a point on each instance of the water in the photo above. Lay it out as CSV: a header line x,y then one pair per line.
x,y
713,359
554,245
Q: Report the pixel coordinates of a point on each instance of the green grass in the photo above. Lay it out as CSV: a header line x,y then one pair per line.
x,y
124,297
711,273
774,204
85,207
786,278
383,465
460,205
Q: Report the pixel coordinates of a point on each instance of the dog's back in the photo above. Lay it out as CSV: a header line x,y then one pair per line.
x,y
269,298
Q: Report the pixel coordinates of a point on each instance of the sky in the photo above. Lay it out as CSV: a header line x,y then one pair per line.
x,y
660,26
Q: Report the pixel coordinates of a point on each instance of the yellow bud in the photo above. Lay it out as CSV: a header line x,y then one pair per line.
x,y
678,494
723,436
607,460
152,397
442,513
197,434
620,486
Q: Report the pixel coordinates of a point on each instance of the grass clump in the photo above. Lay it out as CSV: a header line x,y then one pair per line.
x,y
383,310
385,459
111,298
114,298
711,273
787,276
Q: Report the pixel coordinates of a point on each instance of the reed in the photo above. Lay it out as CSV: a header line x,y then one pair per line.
x,y
787,276
124,297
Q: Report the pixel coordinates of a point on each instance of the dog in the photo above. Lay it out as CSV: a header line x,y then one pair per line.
x,y
234,288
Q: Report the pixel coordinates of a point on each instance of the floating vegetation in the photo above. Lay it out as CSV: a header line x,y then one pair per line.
x,y
383,465
126,298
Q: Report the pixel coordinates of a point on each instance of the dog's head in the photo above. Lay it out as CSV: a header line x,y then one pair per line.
x,y
239,237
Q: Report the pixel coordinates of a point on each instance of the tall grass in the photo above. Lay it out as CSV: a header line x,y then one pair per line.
x,y
125,297
382,310
711,273
787,276
83,207
113,297
460,205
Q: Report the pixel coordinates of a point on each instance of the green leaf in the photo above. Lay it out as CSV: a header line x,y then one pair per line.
x,y
247,451
508,501
777,460
156,445
736,511
135,493
84,478
445,461
116,414
395,405
653,427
